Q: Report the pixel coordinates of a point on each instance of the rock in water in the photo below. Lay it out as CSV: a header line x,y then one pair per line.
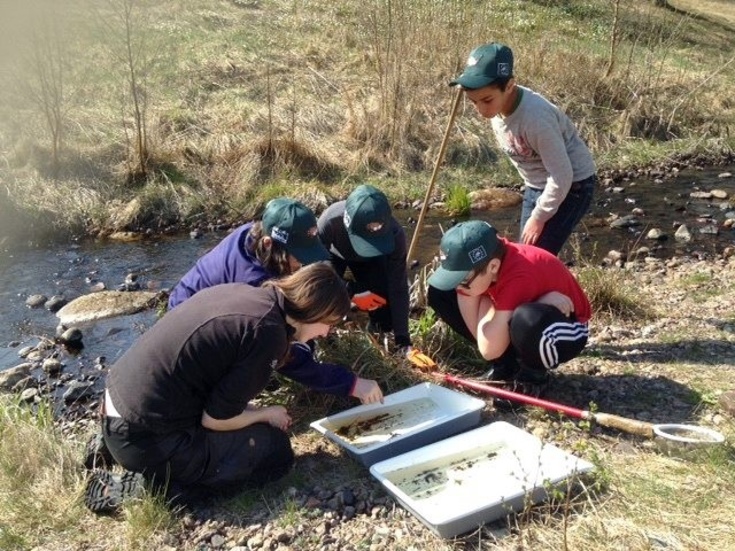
x,y
105,304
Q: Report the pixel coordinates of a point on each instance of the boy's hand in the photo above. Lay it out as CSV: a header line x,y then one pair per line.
x,y
532,231
367,391
560,301
367,300
419,359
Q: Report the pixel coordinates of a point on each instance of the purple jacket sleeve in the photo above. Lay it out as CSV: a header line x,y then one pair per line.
x,y
323,377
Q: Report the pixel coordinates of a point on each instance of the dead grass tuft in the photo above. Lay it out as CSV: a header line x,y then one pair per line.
x,y
277,157
613,294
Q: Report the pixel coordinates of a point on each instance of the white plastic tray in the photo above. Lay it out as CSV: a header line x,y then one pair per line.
x,y
455,485
407,419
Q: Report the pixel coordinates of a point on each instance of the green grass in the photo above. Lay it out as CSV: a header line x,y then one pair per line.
x,y
694,280
41,486
458,201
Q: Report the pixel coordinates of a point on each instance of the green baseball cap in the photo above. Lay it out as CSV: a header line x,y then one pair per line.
x,y
368,221
463,247
486,64
293,225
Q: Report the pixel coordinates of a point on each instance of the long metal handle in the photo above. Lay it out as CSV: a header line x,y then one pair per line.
x,y
625,424
517,397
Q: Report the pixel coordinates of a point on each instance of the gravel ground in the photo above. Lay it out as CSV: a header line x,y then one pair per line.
x,y
660,369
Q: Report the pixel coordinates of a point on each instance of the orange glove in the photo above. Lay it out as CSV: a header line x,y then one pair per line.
x,y
420,360
367,300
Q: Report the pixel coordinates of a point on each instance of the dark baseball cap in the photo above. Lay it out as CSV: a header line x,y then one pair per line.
x,y
462,248
486,64
293,225
368,222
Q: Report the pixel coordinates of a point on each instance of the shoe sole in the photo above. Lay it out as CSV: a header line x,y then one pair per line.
x,y
106,492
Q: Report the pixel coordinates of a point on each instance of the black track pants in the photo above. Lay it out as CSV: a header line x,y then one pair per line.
x,y
541,336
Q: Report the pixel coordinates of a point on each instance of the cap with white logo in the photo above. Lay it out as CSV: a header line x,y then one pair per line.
x,y
293,225
368,221
462,248
486,64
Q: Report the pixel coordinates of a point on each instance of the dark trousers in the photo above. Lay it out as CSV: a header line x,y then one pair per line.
x,y
541,337
560,226
195,460
369,275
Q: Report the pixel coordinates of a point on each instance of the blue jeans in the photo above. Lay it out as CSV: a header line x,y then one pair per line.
x,y
560,226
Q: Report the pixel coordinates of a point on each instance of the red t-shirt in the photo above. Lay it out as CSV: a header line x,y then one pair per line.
x,y
527,273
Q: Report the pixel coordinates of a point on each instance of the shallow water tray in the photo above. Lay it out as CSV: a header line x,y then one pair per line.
x,y
455,485
407,419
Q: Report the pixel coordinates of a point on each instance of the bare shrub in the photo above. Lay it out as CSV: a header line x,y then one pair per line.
x,y
407,45
128,40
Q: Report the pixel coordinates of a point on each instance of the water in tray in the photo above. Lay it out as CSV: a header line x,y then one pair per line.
x,y
469,469
380,426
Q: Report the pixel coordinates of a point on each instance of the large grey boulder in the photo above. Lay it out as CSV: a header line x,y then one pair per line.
x,y
105,304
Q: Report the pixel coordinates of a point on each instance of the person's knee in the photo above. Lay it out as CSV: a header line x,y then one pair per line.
x,y
445,304
528,323
283,452
528,317
280,459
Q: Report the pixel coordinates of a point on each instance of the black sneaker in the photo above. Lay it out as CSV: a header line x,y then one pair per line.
x,y
106,492
96,454
531,382
501,371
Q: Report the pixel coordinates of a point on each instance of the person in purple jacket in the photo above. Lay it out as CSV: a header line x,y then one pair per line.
x,y
279,244
284,240
272,248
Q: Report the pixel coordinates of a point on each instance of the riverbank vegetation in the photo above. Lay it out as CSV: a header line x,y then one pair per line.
x,y
132,114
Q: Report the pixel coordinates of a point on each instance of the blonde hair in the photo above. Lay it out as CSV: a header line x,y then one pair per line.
x,y
313,294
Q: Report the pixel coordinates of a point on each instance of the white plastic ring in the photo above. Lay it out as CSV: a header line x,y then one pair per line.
x,y
688,434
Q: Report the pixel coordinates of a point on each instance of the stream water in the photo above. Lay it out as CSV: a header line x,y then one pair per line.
x,y
71,269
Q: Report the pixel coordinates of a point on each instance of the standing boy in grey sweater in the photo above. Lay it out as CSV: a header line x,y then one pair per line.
x,y
542,143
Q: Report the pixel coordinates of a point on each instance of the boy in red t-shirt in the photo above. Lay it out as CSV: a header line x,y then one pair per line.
x,y
519,303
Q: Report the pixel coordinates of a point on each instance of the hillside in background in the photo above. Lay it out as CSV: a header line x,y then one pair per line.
x,y
123,114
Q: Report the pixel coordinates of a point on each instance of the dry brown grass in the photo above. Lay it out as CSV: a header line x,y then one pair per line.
x,y
245,96
312,95
714,10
